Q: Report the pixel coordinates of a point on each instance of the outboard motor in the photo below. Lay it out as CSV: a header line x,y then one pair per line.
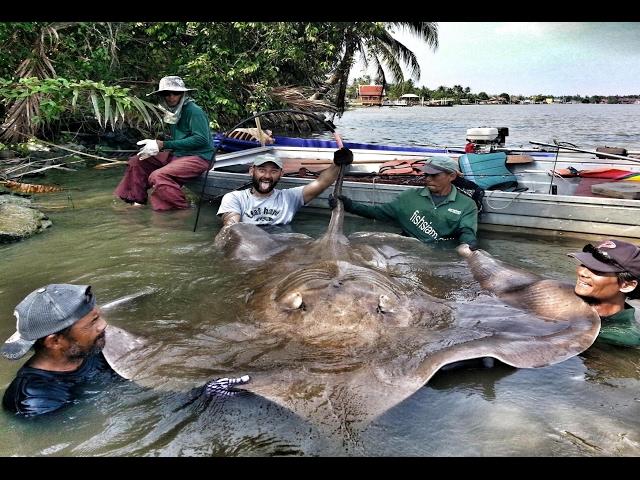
x,y
503,133
489,137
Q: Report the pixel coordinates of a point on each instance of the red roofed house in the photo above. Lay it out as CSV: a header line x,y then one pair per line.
x,y
370,95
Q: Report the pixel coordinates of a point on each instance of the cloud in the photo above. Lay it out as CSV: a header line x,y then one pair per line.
x,y
520,28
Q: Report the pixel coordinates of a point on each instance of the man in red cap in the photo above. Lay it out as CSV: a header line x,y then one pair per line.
x,y
607,276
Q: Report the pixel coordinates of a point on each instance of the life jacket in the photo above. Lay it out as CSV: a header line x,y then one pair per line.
x,y
605,172
402,167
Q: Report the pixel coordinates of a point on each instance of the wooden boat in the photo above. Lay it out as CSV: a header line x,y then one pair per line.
x,y
544,203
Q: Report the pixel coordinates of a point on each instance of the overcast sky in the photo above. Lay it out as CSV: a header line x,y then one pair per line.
x,y
584,58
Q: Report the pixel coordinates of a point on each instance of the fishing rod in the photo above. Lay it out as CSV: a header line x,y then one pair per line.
x,y
327,123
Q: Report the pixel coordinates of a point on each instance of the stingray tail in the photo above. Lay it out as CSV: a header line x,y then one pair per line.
x,y
334,239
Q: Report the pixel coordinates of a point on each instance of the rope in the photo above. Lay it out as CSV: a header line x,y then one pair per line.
x,y
486,198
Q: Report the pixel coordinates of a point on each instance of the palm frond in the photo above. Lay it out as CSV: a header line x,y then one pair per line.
x,y
425,31
300,98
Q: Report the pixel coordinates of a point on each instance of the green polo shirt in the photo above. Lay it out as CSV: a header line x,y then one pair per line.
x,y
191,135
621,328
416,213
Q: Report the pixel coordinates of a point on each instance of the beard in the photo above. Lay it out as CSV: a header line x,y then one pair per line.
x,y
75,352
263,186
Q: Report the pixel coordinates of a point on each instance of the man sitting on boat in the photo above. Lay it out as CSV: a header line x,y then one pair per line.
x,y
435,213
607,276
263,204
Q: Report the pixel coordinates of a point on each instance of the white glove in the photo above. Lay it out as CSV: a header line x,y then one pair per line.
x,y
149,149
222,387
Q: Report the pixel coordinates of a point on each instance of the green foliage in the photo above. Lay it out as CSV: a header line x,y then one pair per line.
x,y
112,106
234,65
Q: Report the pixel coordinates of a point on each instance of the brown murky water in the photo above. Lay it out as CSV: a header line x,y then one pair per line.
x,y
161,280
180,286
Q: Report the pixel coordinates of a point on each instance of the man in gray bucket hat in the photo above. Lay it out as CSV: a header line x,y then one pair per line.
x,y
608,276
63,325
436,213
165,165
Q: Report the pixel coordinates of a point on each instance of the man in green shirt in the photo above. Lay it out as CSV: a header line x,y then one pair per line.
x,y
435,213
166,165
607,276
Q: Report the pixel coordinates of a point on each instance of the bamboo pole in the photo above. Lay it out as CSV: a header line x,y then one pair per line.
x,y
610,155
69,149
260,135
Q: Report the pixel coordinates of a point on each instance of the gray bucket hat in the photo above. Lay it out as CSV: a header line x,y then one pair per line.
x,y
45,311
171,83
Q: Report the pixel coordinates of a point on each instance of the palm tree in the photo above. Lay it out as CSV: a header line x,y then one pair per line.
x,y
373,43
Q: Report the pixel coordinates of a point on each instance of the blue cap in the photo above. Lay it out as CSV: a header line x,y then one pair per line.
x,y
45,311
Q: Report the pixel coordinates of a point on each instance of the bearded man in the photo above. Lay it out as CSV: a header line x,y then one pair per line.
x,y
263,204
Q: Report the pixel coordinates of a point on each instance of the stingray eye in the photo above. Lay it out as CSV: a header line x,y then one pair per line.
x,y
385,304
292,301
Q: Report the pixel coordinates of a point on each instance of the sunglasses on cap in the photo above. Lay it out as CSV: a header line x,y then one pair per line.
x,y
601,256
168,93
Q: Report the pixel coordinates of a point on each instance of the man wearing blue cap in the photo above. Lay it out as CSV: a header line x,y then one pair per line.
x,y
67,332
607,276
435,213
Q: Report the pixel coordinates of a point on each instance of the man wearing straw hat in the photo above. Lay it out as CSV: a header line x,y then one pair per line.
x,y
166,165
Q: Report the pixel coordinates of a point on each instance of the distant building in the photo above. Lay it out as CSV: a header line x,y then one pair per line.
x,y
370,95
410,98
440,102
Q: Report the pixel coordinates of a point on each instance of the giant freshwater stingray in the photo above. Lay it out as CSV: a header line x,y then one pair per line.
x,y
339,333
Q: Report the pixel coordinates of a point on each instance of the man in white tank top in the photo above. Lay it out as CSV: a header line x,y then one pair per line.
x,y
263,204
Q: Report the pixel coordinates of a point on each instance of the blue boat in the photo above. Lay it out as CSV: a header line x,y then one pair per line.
x,y
229,144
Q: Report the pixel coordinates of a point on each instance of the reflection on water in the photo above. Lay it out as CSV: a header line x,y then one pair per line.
x,y
161,280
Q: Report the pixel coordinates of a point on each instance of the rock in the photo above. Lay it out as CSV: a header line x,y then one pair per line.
x,y
15,200
18,221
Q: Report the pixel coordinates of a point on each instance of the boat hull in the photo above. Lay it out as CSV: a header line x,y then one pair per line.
x,y
563,213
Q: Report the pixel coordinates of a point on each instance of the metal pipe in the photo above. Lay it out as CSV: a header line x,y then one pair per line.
x,y
612,155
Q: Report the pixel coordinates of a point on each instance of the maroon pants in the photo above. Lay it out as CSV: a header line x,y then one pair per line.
x,y
165,174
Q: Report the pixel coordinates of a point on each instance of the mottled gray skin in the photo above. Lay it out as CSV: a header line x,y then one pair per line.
x,y
351,338
339,330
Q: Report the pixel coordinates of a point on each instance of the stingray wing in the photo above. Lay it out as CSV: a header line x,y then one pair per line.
x,y
248,242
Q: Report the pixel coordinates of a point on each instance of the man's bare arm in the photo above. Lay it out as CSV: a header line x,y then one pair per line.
x,y
341,157
315,188
230,218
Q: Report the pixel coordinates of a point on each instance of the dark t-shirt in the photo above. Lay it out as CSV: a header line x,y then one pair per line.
x,y
35,391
